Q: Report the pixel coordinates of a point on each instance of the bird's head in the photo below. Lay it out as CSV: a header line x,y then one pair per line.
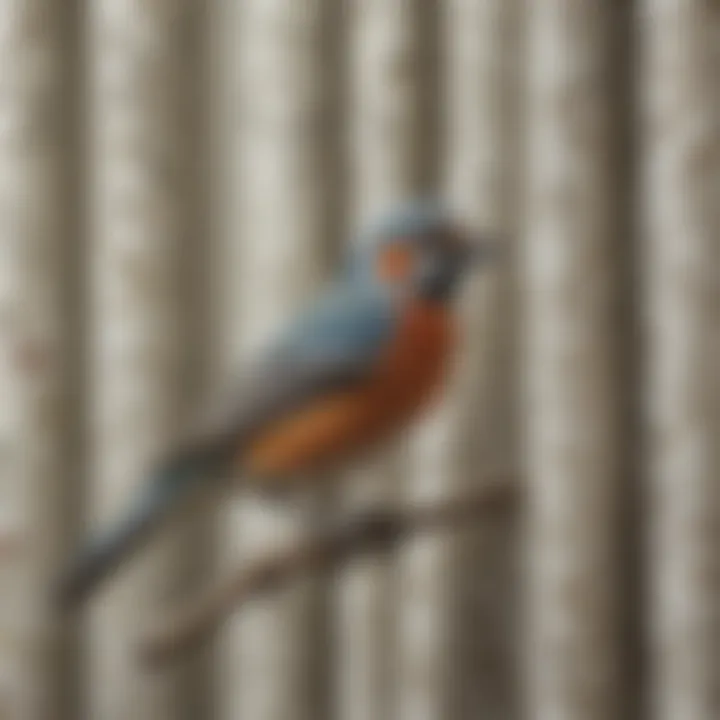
x,y
418,248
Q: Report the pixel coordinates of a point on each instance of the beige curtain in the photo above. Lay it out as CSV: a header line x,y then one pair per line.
x,y
177,176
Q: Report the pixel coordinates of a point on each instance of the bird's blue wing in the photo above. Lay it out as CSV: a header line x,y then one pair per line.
x,y
332,346
352,322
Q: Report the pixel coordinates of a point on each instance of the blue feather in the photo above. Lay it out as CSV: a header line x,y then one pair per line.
x,y
354,319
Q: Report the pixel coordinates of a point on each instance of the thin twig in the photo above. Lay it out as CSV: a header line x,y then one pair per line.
x,y
374,530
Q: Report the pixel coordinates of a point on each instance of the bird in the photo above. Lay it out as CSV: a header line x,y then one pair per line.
x,y
353,369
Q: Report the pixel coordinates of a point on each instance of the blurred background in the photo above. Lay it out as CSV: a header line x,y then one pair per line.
x,y
177,175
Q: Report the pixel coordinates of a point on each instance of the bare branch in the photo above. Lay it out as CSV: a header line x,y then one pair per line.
x,y
374,530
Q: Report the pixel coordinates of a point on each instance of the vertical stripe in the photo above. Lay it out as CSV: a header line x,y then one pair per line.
x,y
35,415
681,172
569,356
279,202
140,202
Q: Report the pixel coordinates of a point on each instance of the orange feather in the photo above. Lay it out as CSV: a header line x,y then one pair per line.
x,y
396,263
335,429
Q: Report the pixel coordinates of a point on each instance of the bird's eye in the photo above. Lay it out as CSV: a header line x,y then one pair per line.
x,y
396,263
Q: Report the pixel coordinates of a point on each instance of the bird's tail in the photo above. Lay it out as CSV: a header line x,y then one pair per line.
x,y
173,484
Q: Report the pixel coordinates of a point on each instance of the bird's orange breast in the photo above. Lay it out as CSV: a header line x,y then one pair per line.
x,y
334,429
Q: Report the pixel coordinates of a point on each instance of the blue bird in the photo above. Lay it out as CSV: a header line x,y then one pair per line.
x,y
347,374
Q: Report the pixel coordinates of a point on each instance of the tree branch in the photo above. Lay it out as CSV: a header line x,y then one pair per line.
x,y
370,531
